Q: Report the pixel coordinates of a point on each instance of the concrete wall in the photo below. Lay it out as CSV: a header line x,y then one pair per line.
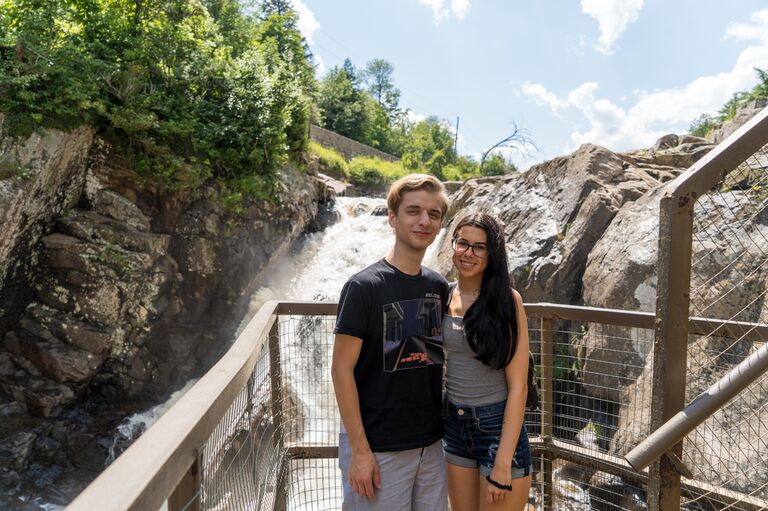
x,y
346,146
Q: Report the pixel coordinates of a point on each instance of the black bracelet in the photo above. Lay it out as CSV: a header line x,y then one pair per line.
x,y
498,485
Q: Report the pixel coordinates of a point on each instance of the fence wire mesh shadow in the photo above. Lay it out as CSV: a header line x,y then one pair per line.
x,y
729,281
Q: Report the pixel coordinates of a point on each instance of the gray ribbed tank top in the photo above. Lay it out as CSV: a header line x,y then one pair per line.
x,y
468,381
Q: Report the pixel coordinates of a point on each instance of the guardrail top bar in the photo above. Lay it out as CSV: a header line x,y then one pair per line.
x,y
728,155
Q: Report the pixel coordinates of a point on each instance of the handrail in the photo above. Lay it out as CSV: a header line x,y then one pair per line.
x,y
142,477
148,471
725,157
704,406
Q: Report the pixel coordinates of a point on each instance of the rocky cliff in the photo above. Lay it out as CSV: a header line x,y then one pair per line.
x,y
115,289
583,229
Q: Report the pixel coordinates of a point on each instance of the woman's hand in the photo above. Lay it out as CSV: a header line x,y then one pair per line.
x,y
503,477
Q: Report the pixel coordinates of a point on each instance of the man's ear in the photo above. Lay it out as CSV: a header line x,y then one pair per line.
x,y
391,215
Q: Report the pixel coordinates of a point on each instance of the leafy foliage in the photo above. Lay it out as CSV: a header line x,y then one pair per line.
x,y
702,125
182,82
430,146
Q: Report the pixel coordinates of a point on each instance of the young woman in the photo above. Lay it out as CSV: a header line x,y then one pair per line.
x,y
485,337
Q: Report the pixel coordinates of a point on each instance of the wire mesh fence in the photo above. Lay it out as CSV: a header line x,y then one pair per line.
x,y
276,446
242,464
729,281
599,410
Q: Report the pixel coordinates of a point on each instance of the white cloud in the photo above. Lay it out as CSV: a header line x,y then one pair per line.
x,y
613,18
441,11
656,113
757,30
543,97
308,24
414,117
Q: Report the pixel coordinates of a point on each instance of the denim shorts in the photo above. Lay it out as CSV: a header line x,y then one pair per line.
x,y
472,435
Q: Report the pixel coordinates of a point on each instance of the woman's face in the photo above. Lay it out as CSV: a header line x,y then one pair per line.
x,y
470,253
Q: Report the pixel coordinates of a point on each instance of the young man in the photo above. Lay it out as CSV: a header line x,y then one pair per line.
x,y
387,363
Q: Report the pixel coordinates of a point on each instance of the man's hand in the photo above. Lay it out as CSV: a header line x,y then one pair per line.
x,y
364,474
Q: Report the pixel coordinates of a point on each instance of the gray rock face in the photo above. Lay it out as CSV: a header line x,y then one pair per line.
x,y
40,177
117,289
583,229
743,115
555,213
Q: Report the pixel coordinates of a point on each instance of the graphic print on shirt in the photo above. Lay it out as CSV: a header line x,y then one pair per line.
x,y
412,335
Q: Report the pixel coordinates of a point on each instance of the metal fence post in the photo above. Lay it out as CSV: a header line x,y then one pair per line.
x,y
670,347
547,408
186,494
277,408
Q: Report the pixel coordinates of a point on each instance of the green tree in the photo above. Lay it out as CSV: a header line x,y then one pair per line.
x,y
496,165
378,78
279,7
342,106
352,74
430,146
702,125
180,82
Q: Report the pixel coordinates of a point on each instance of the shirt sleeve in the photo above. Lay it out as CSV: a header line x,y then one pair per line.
x,y
353,313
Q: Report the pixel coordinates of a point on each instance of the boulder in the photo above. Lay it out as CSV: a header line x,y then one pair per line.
x,y
554,214
743,114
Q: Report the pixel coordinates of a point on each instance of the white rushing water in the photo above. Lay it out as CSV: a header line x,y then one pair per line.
x,y
317,271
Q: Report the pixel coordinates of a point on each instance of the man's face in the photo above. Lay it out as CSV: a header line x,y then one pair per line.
x,y
418,219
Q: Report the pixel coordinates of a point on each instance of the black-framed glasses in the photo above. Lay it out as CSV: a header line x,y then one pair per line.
x,y
461,245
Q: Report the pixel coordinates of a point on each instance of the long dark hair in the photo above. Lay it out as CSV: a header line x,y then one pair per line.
x,y
491,322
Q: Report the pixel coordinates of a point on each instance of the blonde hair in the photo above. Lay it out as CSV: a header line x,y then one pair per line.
x,y
415,182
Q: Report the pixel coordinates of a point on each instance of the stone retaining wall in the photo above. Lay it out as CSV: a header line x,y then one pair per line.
x,y
346,146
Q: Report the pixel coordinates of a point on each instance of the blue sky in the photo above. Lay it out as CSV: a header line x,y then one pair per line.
x,y
619,73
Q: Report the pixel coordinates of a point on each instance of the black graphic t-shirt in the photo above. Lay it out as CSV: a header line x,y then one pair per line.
x,y
400,369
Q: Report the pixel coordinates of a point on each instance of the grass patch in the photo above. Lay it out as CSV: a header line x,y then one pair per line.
x,y
373,172
332,162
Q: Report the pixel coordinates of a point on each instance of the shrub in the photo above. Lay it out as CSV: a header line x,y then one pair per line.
x,y
373,172
702,125
332,162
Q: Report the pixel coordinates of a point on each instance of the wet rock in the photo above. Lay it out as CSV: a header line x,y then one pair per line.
x,y
113,205
54,360
54,163
41,398
609,492
380,211
554,214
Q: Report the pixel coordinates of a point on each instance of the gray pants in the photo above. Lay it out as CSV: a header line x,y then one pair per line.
x,y
410,480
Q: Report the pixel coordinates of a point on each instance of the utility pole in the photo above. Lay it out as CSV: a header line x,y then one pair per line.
x,y
456,137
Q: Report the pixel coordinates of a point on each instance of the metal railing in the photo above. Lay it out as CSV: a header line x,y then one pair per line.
x,y
259,431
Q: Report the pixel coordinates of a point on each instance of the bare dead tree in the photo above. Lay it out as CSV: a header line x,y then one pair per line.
x,y
520,140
